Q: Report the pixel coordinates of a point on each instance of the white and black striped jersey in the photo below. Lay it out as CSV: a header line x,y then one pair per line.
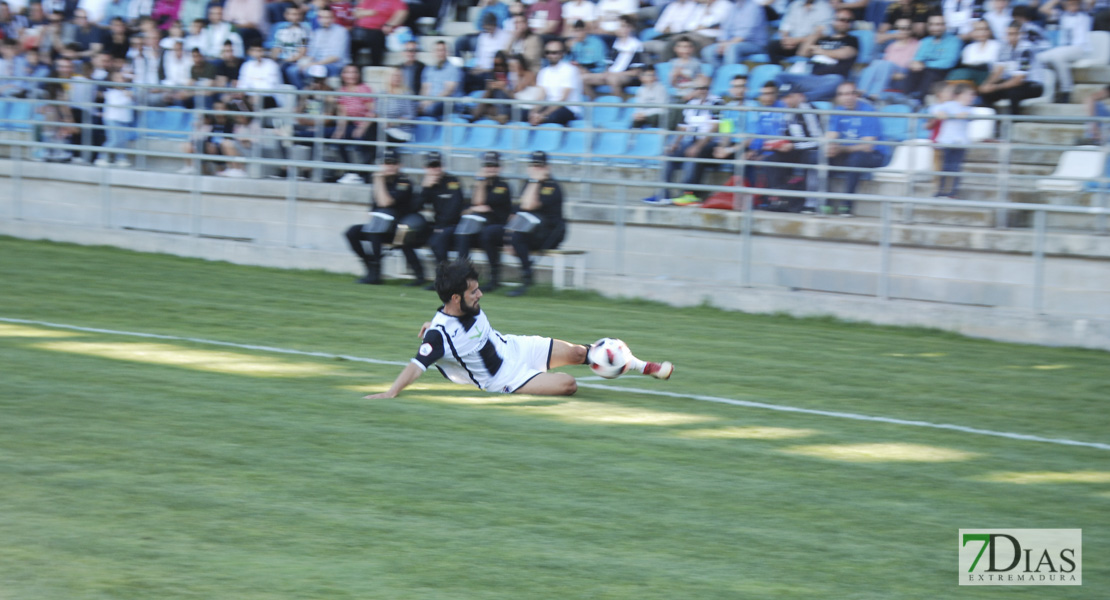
x,y
466,350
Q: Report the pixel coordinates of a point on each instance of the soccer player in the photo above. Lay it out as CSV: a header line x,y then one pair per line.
x,y
460,342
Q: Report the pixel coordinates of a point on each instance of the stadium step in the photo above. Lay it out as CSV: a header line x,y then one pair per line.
x,y
1099,74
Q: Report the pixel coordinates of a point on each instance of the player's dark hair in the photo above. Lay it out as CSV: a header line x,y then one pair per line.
x,y
454,278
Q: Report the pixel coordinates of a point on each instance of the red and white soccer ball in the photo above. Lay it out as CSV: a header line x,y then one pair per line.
x,y
609,357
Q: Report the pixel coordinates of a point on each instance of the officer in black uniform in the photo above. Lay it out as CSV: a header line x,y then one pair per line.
x,y
541,204
390,202
491,205
444,193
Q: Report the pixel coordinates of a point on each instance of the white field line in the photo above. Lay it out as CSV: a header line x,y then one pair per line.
x,y
600,386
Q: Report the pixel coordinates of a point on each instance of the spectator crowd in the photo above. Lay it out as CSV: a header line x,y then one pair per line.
x,y
854,55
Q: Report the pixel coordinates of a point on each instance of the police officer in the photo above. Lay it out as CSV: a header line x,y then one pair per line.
x,y
491,205
443,192
390,202
539,224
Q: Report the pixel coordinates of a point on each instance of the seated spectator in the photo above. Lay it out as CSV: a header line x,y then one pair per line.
x,y
288,45
524,41
545,17
491,205
624,64
119,118
999,16
217,33
542,198
191,11
651,91
1031,31
175,34
733,122
412,68
1097,131
328,46
805,21
916,11
443,193
561,83
831,57
959,15
248,17
501,18
315,113
84,35
177,67
609,13
698,121
890,71
1073,44
936,55
201,73
395,109
209,130
193,37
440,79
851,134
245,131
978,57
679,19
13,65
586,51
259,73
51,42
579,10
392,197
685,69
375,19
228,67
743,33
496,86
1017,75
489,42
116,41
358,107
789,145
711,16
522,83
11,24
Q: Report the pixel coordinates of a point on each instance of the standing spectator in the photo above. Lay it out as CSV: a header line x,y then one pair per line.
x,y
545,17
561,83
217,33
952,118
249,19
805,21
391,200
542,200
491,201
1017,75
412,69
259,73
935,57
978,56
743,33
852,135
441,79
119,118
698,121
358,107
328,46
443,192
651,91
831,57
288,45
891,70
374,20
626,61
1073,44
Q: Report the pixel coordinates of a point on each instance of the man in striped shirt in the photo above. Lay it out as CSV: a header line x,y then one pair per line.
x,y
461,343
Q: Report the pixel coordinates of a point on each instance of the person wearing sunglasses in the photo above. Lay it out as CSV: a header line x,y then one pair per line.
x,y
831,59
562,83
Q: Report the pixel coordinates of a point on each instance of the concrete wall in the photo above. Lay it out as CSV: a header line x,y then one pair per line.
x,y
974,281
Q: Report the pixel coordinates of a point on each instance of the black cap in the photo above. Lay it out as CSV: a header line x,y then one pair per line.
x,y
391,156
788,88
491,159
433,159
539,157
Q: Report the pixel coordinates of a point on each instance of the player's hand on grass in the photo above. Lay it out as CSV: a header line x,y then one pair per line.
x,y
379,396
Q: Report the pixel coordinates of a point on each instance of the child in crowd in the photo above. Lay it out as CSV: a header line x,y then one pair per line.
x,y
651,92
952,117
685,68
119,118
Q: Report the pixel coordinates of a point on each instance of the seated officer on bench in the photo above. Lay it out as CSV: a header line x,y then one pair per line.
x,y
538,223
483,224
390,204
444,193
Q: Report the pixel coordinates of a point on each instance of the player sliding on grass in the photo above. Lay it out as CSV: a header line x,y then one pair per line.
x,y
469,351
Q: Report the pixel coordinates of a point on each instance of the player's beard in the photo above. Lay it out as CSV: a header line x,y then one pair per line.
x,y
469,310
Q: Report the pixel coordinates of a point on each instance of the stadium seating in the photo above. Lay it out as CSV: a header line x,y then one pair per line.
x,y
547,137
614,115
895,128
866,39
909,159
646,143
760,75
980,129
722,77
1100,51
1075,169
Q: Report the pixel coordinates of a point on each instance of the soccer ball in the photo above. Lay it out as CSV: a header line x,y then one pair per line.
x,y
609,357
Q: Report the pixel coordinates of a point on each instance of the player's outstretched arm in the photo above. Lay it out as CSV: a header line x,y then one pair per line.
x,y
409,374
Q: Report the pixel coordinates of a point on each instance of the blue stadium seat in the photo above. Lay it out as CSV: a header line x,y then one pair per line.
x,y
760,75
723,77
482,135
457,132
20,111
547,137
613,113
610,142
575,143
647,143
895,128
509,139
428,132
866,39
822,104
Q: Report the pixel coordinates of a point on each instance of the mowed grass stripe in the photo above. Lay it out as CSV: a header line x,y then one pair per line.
x,y
612,388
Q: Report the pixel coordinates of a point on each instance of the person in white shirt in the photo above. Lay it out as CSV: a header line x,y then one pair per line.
x,y
978,56
119,118
959,16
260,73
625,62
999,16
609,13
677,19
562,83
579,10
805,21
177,68
1072,45
217,32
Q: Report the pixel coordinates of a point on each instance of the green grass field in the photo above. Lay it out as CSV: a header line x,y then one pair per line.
x,y
161,468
